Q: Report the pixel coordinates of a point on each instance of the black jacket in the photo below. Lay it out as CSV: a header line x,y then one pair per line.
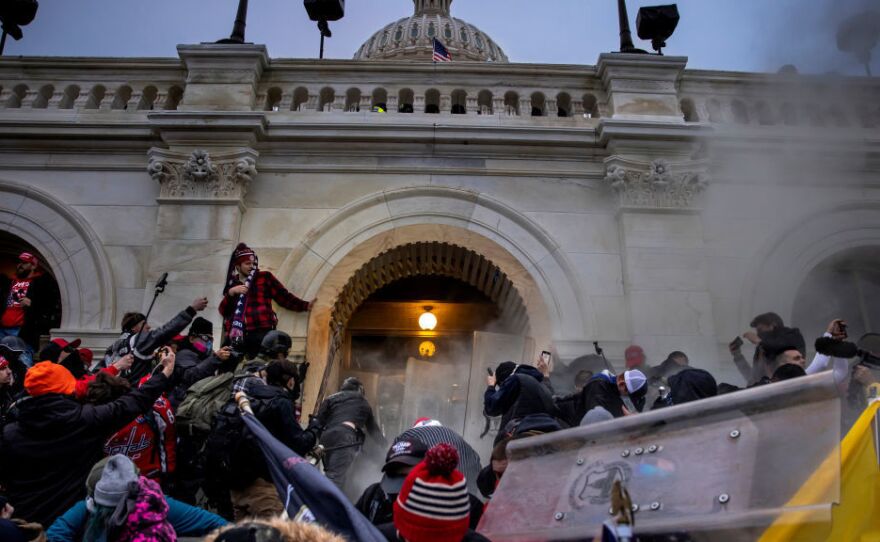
x,y
274,408
348,406
147,343
44,312
522,394
47,453
599,391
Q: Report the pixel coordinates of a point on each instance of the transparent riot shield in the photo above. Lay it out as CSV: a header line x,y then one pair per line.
x,y
717,469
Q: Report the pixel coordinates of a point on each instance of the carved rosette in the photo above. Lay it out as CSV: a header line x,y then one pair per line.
x,y
200,176
660,185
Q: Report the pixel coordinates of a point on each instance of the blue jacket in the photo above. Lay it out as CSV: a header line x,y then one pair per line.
x,y
187,521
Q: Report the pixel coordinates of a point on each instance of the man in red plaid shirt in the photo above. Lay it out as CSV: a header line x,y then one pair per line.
x,y
247,301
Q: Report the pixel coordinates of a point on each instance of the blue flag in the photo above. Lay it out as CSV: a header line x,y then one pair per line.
x,y
308,495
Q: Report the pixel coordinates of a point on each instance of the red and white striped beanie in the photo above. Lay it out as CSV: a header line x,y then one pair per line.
x,y
433,505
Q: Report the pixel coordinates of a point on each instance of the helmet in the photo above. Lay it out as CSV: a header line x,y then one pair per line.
x,y
276,342
352,384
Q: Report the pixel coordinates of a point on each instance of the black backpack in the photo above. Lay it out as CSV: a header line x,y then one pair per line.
x,y
232,456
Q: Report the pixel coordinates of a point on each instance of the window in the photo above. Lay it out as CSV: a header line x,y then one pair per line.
x,y
398,34
431,30
463,34
384,41
478,39
447,32
414,31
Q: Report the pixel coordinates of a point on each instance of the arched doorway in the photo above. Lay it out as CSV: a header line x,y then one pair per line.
x,y
49,317
845,285
411,370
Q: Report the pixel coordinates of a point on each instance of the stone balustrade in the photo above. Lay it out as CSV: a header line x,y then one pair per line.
x,y
479,89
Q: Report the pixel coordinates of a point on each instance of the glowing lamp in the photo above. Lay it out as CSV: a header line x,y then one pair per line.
x,y
427,349
427,320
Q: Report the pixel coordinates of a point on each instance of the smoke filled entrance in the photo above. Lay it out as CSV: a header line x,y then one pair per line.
x,y
410,372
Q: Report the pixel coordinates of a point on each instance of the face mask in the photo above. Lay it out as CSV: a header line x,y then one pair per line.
x,y
203,347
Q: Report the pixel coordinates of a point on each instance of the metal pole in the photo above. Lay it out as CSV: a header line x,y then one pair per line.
x,y
321,55
2,42
237,35
626,42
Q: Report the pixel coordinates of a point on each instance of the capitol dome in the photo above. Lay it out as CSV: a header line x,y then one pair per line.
x,y
411,38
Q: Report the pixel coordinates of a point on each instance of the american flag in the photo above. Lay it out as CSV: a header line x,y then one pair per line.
x,y
440,52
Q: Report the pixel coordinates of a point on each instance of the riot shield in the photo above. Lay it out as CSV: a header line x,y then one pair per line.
x,y
717,469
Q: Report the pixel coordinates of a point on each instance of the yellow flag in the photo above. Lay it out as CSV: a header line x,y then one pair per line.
x,y
857,517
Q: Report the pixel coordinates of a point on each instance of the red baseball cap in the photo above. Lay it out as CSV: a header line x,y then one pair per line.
x,y
4,363
634,355
64,344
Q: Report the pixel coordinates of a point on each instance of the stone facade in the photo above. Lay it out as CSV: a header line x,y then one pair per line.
x,y
631,201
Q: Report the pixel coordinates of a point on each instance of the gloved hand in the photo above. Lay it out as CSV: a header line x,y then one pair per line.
x,y
315,427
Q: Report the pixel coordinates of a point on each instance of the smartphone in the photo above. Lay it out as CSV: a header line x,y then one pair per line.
x,y
545,355
490,371
841,326
736,344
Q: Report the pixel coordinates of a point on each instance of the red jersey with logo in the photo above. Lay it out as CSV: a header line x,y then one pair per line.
x,y
149,441
14,314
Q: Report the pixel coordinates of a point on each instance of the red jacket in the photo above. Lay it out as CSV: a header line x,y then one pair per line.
x,y
258,312
149,441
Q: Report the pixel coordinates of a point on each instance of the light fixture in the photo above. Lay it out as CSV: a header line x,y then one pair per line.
x,y
427,349
427,320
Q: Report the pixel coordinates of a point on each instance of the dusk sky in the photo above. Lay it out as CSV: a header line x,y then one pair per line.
x,y
741,35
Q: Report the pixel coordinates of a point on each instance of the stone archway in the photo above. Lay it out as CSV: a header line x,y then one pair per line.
x,y
72,250
334,251
784,263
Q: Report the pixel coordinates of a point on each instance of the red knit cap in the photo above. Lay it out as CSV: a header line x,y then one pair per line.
x,y
47,377
29,258
4,363
433,505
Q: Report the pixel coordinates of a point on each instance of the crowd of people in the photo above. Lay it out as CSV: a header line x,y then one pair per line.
x,y
146,442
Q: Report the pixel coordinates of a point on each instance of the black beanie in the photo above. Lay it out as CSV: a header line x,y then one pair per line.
x,y
787,371
50,352
201,326
503,371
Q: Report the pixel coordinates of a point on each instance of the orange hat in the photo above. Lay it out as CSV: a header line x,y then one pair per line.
x,y
47,377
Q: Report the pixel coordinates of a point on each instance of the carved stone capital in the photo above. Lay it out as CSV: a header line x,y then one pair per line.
x,y
200,177
658,184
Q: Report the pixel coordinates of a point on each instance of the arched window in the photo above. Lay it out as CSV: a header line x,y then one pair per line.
x,y
148,98
463,35
478,39
689,110
326,99
172,99
714,108
96,96
380,99
353,100
511,102
538,103
432,101
563,104
591,106
405,99
765,114
459,102
384,41
432,30
788,114
398,34
740,112
42,99
273,98
447,32
18,94
71,93
484,102
414,31
300,99
120,100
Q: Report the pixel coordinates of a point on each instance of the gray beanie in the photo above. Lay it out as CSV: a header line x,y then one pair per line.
x,y
595,415
118,473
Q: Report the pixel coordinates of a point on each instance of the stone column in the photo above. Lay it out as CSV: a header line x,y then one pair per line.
x,y
222,77
664,264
